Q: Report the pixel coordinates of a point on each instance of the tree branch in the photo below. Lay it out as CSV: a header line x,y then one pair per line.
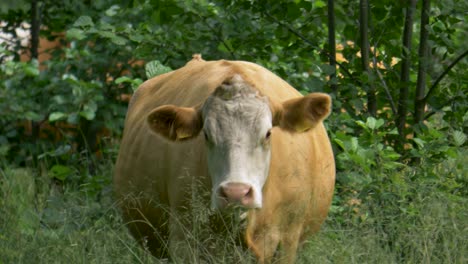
x,y
423,54
387,91
220,39
332,44
381,78
306,40
446,71
365,50
405,70
35,27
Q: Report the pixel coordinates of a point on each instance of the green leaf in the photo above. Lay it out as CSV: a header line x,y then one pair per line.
x,y
362,124
155,68
379,123
354,144
91,106
459,138
370,123
112,11
465,117
104,26
56,116
84,21
319,4
136,83
390,165
59,99
60,172
31,70
89,114
123,79
118,40
4,148
64,149
393,132
419,142
106,34
137,37
75,33
339,142
391,154
33,116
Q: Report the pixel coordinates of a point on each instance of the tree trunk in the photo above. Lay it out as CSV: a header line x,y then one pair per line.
x,y
332,44
419,102
34,49
405,71
364,22
35,27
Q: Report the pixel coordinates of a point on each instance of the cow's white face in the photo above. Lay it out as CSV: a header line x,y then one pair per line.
x,y
236,122
236,125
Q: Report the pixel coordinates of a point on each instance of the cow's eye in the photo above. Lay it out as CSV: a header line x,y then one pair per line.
x,y
206,136
268,135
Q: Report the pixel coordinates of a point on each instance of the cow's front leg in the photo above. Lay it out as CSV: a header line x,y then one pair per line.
x,y
289,245
263,241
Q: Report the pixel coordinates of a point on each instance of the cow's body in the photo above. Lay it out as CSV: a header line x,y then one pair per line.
x,y
152,170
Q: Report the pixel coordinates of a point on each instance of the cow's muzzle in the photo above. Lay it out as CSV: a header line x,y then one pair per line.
x,y
236,193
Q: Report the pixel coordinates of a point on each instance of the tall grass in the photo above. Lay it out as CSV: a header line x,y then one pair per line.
x,y
437,236
42,221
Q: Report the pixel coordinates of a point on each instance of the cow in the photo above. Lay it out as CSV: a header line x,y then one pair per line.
x,y
246,136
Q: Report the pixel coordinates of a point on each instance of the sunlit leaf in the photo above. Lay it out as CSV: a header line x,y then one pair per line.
x,y
84,21
60,172
155,68
371,123
89,114
75,33
459,138
123,79
419,142
57,116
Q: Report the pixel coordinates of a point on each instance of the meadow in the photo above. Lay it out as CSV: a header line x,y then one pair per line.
x,y
43,220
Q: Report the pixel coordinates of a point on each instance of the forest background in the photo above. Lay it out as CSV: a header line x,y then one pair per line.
x,y
397,71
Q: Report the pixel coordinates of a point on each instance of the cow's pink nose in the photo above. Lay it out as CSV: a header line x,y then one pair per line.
x,y
236,192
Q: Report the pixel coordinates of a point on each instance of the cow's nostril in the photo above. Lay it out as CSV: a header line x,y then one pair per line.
x,y
222,193
236,192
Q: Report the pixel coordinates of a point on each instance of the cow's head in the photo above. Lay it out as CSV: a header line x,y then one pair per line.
x,y
236,123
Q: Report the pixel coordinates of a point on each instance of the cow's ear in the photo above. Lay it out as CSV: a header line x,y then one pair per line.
x,y
303,113
175,123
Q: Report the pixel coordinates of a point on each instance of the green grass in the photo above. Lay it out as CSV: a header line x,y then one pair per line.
x,y
438,235
42,221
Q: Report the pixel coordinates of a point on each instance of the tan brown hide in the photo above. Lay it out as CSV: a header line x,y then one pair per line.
x,y
154,174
